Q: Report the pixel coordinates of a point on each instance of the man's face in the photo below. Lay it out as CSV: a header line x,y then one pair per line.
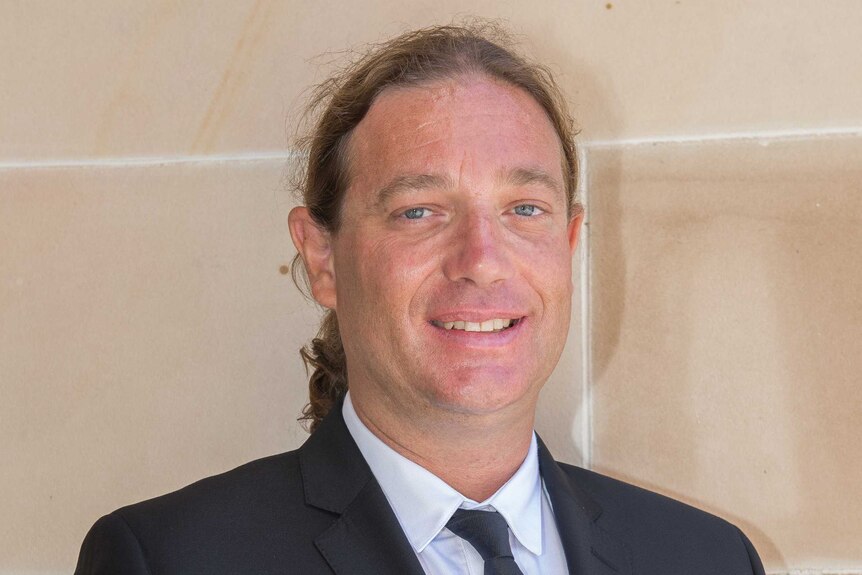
x,y
455,220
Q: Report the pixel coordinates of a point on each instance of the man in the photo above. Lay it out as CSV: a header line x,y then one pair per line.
x,y
438,227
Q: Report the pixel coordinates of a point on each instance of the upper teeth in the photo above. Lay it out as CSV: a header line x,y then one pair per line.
x,y
487,325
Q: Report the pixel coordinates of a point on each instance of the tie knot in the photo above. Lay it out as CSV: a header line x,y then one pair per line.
x,y
487,531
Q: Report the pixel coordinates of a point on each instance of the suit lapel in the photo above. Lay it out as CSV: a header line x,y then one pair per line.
x,y
366,537
588,547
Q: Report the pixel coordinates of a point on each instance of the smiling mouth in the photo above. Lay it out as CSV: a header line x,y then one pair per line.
x,y
487,326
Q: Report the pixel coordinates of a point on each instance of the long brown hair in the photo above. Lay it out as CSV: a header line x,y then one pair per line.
x,y
338,105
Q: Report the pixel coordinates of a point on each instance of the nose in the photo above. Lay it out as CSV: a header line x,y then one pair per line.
x,y
478,252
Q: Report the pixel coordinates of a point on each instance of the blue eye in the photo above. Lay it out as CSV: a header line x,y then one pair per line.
x,y
415,213
527,210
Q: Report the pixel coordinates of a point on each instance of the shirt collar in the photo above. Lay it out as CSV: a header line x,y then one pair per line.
x,y
423,503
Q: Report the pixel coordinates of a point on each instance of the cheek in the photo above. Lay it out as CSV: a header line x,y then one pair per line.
x,y
387,274
548,262
558,293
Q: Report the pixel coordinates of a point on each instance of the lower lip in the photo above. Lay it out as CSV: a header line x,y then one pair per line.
x,y
480,339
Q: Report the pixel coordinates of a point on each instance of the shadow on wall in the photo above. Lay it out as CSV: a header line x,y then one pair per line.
x,y
818,282
563,412
727,355
671,377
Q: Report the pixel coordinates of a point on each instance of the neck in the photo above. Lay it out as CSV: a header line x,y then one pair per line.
x,y
475,454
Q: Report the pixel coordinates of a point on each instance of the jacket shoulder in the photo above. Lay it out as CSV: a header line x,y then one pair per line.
x,y
234,518
666,535
617,497
231,494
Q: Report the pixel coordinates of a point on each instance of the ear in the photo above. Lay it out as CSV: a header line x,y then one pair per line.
x,y
314,245
575,224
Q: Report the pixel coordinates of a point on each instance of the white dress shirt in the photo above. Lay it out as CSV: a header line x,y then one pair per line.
x,y
424,503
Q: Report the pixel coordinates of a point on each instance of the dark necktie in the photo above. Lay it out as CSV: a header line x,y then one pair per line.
x,y
488,533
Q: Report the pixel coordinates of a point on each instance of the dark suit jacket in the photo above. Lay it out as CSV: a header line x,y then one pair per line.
x,y
319,510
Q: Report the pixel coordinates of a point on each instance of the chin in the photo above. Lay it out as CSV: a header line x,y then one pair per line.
x,y
482,393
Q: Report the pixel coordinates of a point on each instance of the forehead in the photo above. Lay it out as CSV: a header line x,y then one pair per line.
x,y
462,129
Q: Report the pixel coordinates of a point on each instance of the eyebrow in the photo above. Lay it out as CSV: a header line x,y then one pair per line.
x,y
530,176
414,182
408,183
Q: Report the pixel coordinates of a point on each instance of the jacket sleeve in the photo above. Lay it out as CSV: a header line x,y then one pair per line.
x,y
756,565
111,547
